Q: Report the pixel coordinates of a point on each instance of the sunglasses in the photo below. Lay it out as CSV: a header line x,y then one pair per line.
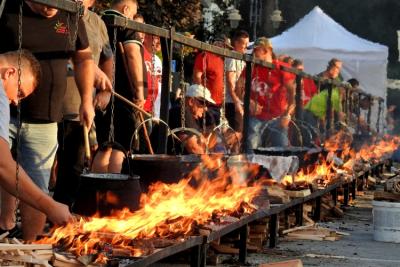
x,y
201,102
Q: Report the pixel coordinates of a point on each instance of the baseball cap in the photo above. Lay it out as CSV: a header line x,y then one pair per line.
x,y
263,42
199,91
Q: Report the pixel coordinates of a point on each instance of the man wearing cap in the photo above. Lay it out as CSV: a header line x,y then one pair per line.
x,y
197,98
316,109
272,96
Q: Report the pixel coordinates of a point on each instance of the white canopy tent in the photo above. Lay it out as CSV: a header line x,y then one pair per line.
x,y
317,38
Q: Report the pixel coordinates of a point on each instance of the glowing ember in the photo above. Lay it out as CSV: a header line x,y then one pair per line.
x,y
167,211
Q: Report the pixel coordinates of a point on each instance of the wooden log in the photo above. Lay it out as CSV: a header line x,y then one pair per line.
x,y
224,249
299,193
4,235
258,228
10,247
289,263
296,236
331,238
63,261
386,196
25,259
297,229
277,195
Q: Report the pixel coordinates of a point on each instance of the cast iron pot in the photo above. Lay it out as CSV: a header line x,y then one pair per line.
x,y
173,168
105,193
164,168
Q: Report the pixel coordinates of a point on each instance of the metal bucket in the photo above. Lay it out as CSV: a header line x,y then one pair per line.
x,y
106,193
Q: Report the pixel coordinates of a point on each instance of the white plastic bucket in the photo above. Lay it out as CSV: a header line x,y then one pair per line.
x,y
386,217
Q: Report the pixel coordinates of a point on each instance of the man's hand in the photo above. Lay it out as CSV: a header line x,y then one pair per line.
x,y
86,114
255,108
101,80
102,99
239,108
59,214
139,102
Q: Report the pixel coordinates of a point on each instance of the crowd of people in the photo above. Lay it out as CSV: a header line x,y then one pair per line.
x,y
68,69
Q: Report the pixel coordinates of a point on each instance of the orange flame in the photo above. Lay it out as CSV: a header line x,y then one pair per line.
x,y
323,169
167,210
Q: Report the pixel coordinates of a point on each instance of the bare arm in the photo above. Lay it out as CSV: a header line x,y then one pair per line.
x,y
84,78
231,83
197,76
28,192
135,68
103,82
106,65
291,92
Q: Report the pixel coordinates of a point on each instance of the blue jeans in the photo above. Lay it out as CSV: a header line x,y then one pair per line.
x,y
255,126
37,149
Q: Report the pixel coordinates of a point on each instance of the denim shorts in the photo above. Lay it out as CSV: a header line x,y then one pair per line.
x,y
37,149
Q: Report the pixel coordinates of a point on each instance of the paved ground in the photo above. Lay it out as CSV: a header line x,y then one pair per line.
x,y
358,249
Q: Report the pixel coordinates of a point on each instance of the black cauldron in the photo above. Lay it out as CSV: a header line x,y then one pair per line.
x,y
173,168
105,193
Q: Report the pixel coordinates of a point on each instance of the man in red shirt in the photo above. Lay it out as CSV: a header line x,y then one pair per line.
x,y
271,98
308,85
153,69
209,72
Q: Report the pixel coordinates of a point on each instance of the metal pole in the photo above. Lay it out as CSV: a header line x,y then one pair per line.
x,y
299,215
353,189
246,115
298,98
346,194
243,243
334,196
317,210
273,228
369,113
166,50
329,117
378,121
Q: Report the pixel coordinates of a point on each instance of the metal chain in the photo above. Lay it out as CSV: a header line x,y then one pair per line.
x,y
111,132
183,88
19,93
204,90
79,12
153,76
222,118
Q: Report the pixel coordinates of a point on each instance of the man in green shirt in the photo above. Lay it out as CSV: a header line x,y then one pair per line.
x,y
316,109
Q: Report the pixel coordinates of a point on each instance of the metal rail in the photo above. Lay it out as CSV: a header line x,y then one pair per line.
x,y
66,5
116,21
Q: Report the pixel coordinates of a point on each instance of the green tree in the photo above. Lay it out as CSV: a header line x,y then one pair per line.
x,y
184,15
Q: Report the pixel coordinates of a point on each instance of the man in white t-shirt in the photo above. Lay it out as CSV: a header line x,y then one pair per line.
x,y
233,69
24,187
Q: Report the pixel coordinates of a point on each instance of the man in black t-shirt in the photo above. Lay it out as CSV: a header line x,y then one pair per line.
x,y
50,35
130,82
197,98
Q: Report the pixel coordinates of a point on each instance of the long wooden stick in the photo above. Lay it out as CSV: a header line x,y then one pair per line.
x,y
146,134
130,103
86,142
